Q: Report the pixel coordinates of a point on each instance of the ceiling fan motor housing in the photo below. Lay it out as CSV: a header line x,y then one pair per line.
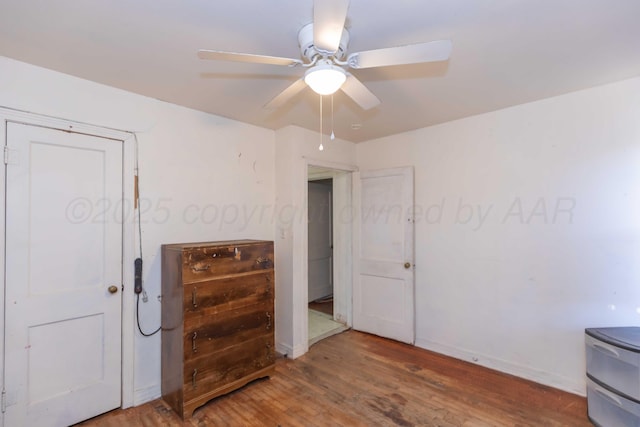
x,y
309,51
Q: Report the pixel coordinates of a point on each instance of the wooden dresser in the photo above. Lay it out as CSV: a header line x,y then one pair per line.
x,y
217,319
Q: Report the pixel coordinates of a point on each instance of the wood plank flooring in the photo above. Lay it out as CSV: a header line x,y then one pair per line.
x,y
356,379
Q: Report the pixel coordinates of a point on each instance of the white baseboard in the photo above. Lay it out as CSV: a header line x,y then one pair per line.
x,y
290,352
284,349
539,377
146,394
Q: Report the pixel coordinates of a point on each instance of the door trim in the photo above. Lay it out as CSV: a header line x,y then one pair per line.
x,y
8,115
301,258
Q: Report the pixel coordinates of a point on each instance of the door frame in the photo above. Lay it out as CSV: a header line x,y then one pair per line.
x,y
8,115
342,268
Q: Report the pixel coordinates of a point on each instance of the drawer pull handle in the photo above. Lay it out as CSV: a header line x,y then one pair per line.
x,y
268,320
203,268
194,297
609,397
605,349
193,342
264,262
193,378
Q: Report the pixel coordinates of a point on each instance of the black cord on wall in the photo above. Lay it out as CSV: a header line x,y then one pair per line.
x,y
138,319
137,200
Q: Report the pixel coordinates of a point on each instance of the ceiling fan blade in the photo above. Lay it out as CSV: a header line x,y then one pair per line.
x,y
329,17
439,50
359,93
284,96
246,57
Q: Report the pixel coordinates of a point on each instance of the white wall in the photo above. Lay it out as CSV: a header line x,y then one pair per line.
x,y
528,229
295,149
202,177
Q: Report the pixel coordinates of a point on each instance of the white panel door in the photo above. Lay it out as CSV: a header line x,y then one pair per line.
x,y
63,252
383,294
320,241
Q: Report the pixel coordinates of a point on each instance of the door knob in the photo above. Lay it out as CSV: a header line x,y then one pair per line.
x,y
113,289
407,265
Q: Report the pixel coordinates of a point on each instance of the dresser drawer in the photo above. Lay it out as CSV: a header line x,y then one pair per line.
x,y
617,367
206,334
607,409
213,296
223,367
202,263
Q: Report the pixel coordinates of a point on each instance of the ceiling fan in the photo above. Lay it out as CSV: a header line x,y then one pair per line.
x,y
323,45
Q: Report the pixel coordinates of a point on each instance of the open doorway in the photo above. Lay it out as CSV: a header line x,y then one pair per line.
x,y
323,319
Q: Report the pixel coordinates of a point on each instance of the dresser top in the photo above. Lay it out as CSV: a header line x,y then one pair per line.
x,y
627,337
243,242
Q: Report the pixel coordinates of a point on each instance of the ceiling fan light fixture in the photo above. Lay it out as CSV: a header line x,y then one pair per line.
x,y
325,78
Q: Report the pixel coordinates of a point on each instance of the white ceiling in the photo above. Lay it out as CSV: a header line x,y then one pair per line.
x,y
505,52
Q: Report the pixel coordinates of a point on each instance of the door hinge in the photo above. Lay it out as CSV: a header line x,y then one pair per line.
x,y
11,156
4,400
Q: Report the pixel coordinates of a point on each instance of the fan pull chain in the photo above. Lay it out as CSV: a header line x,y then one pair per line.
x,y
321,147
333,136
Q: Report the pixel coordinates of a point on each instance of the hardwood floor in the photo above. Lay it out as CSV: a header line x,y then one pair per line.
x,y
356,379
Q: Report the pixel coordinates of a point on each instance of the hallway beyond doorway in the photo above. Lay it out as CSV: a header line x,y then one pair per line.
x,y
322,325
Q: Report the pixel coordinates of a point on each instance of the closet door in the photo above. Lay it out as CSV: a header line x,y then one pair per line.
x,y
63,276
383,294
